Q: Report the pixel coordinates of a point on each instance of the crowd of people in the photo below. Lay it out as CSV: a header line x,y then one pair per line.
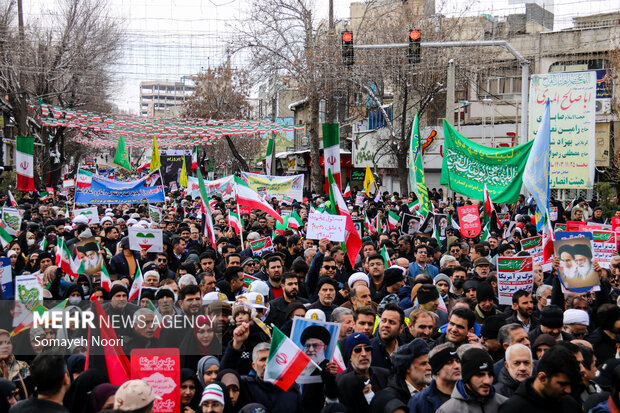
x,y
421,335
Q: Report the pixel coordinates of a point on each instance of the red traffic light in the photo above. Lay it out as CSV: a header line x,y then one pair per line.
x,y
347,37
414,34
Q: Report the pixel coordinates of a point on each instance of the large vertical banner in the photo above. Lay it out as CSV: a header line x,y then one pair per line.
x,y
172,162
572,97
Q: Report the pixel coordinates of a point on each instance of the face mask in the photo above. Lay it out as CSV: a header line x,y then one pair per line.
x,y
458,283
74,300
30,242
85,289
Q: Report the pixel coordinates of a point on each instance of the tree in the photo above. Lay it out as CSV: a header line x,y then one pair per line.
x,y
415,88
67,61
282,38
222,93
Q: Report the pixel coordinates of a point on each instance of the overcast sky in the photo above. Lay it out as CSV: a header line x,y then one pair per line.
x,y
169,39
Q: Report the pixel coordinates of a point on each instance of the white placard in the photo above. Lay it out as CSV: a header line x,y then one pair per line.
x,y
326,226
92,214
149,239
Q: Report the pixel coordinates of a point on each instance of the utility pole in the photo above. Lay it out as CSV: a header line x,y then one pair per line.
x,y
274,109
450,93
330,115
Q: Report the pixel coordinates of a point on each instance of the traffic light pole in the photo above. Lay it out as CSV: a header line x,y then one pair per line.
x,y
525,66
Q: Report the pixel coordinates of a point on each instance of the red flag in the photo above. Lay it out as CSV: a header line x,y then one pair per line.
x,y
116,361
488,204
194,160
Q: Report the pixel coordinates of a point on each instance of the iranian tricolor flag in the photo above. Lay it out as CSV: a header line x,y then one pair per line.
x,y
347,192
331,151
369,226
294,221
393,219
136,286
24,163
352,240
205,209
194,160
286,361
106,281
5,237
247,197
84,178
65,261
269,156
488,204
12,200
386,257
548,237
235,222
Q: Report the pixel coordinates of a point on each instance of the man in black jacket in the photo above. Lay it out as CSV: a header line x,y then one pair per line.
x,y
413,371
549,391
358,384
49,375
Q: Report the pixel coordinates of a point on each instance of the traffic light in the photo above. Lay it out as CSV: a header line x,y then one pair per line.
x,y
414,46
347,48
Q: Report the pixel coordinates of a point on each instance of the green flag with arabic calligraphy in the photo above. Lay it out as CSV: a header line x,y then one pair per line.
x,y
417,182
467,166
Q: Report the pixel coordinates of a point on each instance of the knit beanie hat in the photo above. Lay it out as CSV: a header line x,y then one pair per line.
x,y
117,288
552,317
355,339
484,292
392,276
475,361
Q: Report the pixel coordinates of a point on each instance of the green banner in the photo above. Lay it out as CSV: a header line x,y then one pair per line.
x,y
467,166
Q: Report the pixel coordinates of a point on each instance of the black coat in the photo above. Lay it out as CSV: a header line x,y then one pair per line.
x,y
604,346
506,385
350,385
526,399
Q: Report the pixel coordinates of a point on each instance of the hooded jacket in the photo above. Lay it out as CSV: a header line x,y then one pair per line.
x,y
506,385
462,402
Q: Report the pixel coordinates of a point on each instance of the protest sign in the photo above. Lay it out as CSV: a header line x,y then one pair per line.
x,y
428,225
513,274
359,199
574,225
248,279
559,227
553,213
88,249
148,239
224,187
534,246
409,224
91,213
109,191
28,295
577,272
193,187
604,247
12,218
469,219
503,217
326,226
260,245
318,339
155,213
161,369
68,183
6,278
275,186
615,223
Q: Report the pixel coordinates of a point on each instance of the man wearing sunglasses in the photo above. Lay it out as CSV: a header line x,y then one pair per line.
x,y
359,383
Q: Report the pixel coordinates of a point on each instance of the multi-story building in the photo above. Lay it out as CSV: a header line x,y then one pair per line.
x,y
164,99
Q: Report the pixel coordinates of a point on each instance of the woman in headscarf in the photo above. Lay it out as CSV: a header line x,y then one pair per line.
x,y
207,370
232,380
53,282
199,342
101,398
8,394
12,369
191,392
76,398
20,259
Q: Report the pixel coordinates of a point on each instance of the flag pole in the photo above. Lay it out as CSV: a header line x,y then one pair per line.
x,y
239,215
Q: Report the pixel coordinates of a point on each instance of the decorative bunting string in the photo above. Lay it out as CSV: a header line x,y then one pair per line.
x,y
103,130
